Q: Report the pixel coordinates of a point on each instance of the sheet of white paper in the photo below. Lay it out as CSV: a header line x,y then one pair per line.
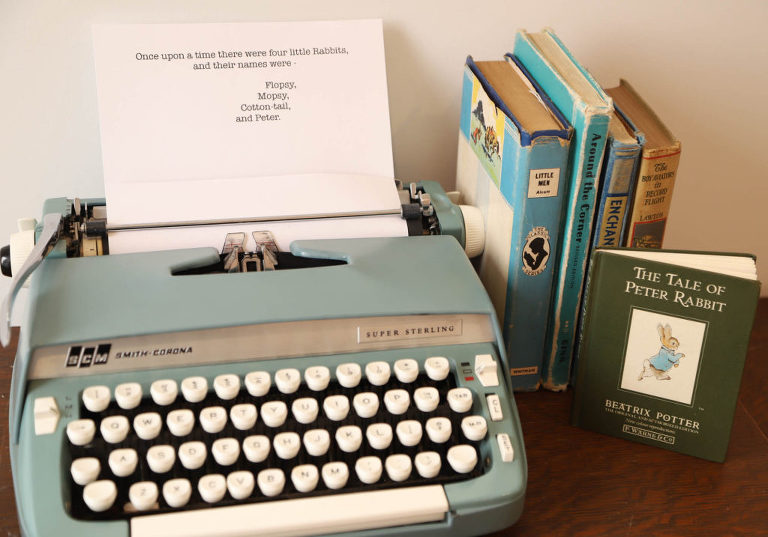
x,y
284,233
227,121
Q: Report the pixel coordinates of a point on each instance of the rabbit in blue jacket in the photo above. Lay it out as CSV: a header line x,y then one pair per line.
x,y
659,364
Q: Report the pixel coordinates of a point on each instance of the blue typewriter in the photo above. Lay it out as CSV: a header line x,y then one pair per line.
x,y
164,394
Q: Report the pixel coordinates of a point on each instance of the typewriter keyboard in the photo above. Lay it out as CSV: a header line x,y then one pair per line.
x,y
193,442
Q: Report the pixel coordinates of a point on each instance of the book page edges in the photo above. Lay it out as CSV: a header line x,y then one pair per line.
x,y
580,83
738,265
644,118
527,134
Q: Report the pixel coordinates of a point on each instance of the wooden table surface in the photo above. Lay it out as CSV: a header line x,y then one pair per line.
x,y
582,483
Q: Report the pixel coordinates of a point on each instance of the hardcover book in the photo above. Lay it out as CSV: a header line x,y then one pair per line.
x,y
512,158
662,347
617,181
584,104
657,173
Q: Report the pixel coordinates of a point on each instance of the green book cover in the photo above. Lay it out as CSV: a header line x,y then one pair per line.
x,y
662,347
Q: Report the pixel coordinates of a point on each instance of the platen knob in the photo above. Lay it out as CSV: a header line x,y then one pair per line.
x,y
22,244
5,261
474,230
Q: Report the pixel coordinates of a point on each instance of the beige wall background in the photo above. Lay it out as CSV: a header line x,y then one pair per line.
x,y
702,65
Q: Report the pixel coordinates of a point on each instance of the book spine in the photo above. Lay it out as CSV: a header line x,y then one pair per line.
x,y
581,338
653,197
520,189
577,232
617,179
535,192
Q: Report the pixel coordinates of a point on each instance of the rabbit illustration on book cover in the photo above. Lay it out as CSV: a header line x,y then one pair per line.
x,y
659,365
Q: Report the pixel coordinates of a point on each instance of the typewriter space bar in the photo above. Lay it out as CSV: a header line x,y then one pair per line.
x,y
303,516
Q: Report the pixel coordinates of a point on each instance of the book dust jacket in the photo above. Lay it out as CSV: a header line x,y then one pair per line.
x,y
662,352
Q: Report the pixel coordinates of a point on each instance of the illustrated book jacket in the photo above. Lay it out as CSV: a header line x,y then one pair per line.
x,y
513,152
662,349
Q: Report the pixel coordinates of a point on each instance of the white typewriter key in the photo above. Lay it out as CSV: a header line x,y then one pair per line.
x,y
143,495
225,451
379,435
317,377
406,370
287,445
123,462
335,475
349,375
192,454
397,401
164,391
460,400
438,429
305,477
96,398
398,467
271,481
128,395
177,492
368,469
81,432
240,484
273,413
336,407
243,416
377,373
349,438
194,389
305,410
462,458
212,487
213,419
256,448
317,442
114,429
100,495
85,470
258,383
409,432
161,458
147,425
474,427
180,422
426,398
437,367
226,386
428,464
287,380
366,404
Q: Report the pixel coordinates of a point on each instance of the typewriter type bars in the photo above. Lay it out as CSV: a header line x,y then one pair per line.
x,y
267,436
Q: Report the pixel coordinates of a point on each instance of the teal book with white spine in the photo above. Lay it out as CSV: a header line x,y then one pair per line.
x,y
513,153
584,104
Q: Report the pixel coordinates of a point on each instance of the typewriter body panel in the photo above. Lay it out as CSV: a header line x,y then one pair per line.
x,y
415,297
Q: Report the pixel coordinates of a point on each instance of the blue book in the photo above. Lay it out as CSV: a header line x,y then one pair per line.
x,y
585,105
512,163
617,181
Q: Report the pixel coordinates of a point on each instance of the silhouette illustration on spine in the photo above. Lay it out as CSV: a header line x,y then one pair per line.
x,y
535,253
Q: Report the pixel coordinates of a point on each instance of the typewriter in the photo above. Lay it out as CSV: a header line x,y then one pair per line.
x,y
203,393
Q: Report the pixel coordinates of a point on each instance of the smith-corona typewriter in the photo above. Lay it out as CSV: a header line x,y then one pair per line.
x,y
166,394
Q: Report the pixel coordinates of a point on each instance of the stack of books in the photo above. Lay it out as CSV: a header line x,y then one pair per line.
x,y
575,183
559,166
